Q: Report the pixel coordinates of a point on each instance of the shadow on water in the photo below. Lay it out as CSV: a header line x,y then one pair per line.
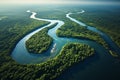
x,y
79,67
92,68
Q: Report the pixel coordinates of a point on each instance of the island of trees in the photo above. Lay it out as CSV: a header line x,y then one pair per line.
x,y
40,42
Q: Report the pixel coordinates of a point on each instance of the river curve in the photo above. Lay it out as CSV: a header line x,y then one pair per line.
x,y
22,56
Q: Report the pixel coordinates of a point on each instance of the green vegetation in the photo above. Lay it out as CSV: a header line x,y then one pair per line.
x,y
105,20
40,42
16,26
72,53
12,33
71,29
9,69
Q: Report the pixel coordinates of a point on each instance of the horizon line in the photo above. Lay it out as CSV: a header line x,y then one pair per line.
x,y
63,2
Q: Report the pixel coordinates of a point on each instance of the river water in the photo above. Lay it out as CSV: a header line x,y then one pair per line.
x,y
93,65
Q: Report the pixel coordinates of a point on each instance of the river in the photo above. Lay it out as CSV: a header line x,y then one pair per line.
x,y
101,60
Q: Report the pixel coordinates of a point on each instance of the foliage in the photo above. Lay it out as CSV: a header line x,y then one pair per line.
x,y
105,20
71,53
12,33
14,28
10,70
39,42
71,29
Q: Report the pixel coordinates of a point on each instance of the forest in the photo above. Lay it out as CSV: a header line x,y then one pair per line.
x,y
71,29
51,69
16,25
11,31
40,42
11,35
105,20
71,53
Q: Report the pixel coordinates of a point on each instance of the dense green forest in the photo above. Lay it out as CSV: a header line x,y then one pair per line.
x,y
11,31
105,20
40,42
16,26
71,29
71,53
11,34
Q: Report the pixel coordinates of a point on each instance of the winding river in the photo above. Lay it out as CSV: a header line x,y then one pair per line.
x,y
108,40
22,56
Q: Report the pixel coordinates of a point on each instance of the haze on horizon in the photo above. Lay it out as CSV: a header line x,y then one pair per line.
x,y
59,2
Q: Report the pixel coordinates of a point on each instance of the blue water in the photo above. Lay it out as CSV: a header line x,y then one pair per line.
x,y
99,67
108,40
91,68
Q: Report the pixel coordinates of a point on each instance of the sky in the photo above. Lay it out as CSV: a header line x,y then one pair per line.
x,y
59,1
